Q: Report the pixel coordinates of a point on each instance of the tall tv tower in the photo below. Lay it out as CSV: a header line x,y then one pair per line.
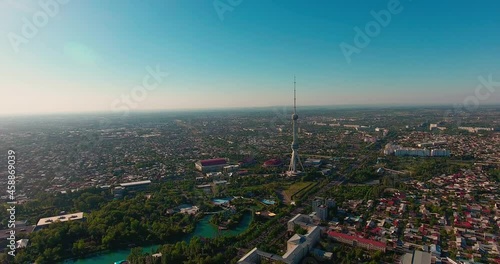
x,y
295,160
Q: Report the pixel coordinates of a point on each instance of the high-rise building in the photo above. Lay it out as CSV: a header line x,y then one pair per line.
x,y
330,203
322,212
317,202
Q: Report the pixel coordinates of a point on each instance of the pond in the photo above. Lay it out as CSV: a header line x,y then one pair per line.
x,y
268,202
221,201
203,229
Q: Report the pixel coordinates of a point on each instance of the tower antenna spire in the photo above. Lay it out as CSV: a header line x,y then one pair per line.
x,y
294,96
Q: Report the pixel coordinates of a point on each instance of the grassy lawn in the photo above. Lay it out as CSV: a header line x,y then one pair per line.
x,y
294,188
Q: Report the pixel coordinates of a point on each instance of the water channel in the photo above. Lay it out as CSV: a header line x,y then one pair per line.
x,y
203,229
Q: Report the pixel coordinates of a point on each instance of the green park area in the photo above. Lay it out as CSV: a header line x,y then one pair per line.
x,y
297,188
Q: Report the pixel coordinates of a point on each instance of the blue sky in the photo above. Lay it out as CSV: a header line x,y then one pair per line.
x,y
90,54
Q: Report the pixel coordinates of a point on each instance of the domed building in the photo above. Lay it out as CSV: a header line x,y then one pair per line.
x,y
272,163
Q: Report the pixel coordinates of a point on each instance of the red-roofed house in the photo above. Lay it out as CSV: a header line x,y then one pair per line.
x,y
357,241
377,231
464,224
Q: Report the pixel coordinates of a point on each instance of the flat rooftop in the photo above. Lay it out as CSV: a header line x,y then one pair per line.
x,y
60,218
417,257
213,162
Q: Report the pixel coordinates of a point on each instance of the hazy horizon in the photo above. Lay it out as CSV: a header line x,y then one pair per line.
x,y
94,56
281,108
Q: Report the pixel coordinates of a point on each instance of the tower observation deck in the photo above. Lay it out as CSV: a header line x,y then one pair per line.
x,y
295,162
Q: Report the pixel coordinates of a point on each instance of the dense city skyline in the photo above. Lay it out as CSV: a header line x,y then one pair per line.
x,y
68,56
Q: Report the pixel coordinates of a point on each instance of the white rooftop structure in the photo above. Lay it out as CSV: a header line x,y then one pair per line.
x,y
22,243
60,218
298,246
302,220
